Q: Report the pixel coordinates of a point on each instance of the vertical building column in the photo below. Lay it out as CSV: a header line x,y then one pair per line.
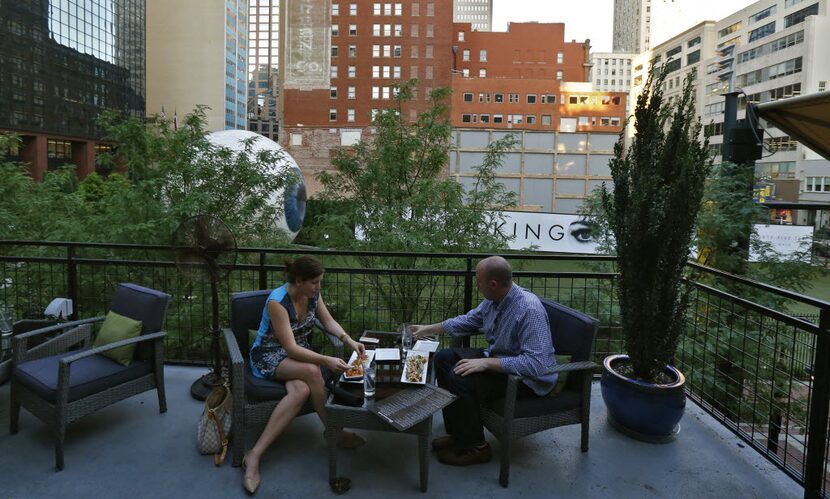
x,y
33,153
83,157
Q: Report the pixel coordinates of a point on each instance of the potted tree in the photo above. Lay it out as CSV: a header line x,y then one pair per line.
x,y
651,214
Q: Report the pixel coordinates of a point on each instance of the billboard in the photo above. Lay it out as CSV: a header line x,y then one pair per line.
x,y
307,45
786,240
548,232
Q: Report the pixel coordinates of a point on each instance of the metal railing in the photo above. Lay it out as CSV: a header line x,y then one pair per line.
x,y
763,373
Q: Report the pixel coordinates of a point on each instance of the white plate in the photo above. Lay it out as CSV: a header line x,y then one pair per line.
x,y
426,346
425,368
369,353
382,354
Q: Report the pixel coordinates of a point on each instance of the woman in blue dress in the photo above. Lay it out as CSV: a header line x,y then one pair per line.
x,y
282,351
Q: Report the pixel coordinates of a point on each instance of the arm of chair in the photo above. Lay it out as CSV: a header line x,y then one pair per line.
x,y
71,334
237,381
336,344
574,366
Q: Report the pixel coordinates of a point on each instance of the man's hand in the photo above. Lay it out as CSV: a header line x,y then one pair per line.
x,y
471,366
419,331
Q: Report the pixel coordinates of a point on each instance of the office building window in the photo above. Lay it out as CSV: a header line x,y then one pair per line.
x,y
351,93
350,115
332,114
333,92
482,56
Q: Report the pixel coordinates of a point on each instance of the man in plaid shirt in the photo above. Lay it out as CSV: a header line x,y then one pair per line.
x,y
518,336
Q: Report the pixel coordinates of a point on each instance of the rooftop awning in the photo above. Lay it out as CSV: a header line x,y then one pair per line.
x,y
805,118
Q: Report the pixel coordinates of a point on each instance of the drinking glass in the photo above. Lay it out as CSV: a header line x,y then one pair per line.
x,y
369,373
406,337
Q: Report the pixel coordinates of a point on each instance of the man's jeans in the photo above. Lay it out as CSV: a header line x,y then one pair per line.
x,y
461,418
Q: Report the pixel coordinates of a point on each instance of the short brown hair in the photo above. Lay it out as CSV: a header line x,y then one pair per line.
x,y
303,268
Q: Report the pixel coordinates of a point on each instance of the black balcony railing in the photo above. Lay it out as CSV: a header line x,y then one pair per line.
x,y
760,371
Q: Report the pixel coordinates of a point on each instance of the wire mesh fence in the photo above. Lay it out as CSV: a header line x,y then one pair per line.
x,y
752,366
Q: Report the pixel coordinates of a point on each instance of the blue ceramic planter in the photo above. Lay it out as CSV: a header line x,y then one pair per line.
x,y
642,410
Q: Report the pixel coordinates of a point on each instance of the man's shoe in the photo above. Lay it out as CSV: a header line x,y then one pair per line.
x,y
442,443
465,456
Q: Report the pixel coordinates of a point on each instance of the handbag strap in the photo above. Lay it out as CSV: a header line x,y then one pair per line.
x,y
219,457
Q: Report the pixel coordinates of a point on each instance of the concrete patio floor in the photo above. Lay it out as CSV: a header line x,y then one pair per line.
x,y
130,450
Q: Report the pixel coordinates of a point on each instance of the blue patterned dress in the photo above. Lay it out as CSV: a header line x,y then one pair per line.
x,y
266,352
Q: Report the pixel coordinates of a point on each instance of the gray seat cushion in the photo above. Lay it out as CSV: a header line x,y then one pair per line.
x,y
86,376
260,390
539,406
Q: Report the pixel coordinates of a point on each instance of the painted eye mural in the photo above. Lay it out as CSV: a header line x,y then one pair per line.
x,y
293,197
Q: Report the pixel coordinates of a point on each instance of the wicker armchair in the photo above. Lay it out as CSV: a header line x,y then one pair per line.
x,y
510,418
254,399
59,386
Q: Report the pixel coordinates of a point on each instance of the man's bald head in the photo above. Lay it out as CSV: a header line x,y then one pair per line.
x,y
495,273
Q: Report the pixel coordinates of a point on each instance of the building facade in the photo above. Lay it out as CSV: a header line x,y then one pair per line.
x,y
340,61
687,55
632,26
770,50
63,64
479,13
611,72
197,55
508,82
263,67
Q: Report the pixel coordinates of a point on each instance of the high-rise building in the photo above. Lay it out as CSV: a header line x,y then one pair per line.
x,y
340,61
263,67
479,13
632,26
770,50
685,54
506,82
197,55
63,64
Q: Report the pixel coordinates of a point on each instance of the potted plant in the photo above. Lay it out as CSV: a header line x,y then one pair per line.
x,y
651,214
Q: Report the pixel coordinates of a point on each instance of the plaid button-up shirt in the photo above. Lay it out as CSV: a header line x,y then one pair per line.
x,y
517,333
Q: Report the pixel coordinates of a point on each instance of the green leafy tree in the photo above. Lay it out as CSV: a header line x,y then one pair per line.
x,y
176,173
394,191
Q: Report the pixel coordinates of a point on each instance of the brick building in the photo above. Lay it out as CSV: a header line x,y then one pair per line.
x,y
328,102
530,81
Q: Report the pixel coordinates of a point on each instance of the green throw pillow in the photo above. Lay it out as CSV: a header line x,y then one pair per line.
x,y
252,333
116,327
563,377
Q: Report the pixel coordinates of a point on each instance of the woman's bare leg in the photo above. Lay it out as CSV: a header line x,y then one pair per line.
x,y
286,410
311,376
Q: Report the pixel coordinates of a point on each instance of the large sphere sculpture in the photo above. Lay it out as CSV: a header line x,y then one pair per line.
x,y
293,199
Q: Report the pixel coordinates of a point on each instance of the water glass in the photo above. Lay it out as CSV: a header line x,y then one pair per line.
x,y
406,337
369,378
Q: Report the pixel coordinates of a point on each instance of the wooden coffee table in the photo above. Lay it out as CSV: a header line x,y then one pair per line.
x,y
388,384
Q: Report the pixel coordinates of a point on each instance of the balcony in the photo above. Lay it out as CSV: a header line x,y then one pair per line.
x,y
757,382
130,450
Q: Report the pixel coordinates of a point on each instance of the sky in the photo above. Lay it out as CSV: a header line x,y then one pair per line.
x,y
594,18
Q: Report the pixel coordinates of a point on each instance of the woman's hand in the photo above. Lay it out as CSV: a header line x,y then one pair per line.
x,y
335,364
358,347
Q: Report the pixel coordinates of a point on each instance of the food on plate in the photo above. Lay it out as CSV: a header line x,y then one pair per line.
x,y
415,365
356,367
